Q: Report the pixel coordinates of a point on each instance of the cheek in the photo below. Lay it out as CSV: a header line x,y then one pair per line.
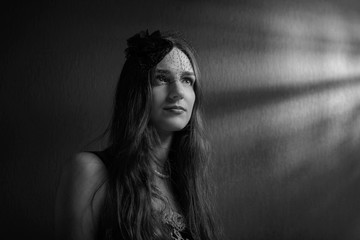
x,y
193,95
158,97
191,99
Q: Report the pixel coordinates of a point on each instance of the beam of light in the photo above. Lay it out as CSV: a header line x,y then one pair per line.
x,y
299,48
283,46
315,44
292,131
283,90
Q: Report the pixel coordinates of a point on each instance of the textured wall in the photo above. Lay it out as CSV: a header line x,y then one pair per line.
x,y
283,106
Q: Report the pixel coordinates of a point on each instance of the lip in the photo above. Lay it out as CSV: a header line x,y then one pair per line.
x,y
175,108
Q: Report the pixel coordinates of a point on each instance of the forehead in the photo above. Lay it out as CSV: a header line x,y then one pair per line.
x,y
176,60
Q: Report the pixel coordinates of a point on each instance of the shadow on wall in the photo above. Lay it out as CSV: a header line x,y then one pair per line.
x,y
285,125
291,164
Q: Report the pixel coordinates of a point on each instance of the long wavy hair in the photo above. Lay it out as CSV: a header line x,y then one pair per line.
x,y
128,211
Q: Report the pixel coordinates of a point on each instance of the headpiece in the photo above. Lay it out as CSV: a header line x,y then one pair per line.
x,y
147,50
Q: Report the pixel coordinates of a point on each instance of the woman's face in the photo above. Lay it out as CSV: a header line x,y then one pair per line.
x,y
173,92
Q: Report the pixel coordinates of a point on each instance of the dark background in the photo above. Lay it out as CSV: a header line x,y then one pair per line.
x,y
282,84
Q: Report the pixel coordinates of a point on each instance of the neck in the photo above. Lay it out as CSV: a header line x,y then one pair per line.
x,y
162,150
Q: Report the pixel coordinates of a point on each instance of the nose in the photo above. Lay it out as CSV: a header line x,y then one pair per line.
x,y
176,91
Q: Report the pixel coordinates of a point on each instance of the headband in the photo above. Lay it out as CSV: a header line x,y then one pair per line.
x,y
147,50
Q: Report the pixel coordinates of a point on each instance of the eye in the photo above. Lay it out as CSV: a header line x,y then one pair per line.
x,y
189,81
161,79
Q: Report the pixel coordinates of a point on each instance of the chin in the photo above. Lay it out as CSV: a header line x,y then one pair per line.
x,y
172,126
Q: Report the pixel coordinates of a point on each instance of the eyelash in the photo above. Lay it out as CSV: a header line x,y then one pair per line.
x,y
164,79
191,81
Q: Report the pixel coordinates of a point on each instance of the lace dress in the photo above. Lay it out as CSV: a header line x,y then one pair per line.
x,y
174,220
176,223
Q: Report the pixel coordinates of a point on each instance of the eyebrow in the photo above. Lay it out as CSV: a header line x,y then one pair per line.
x,y
169,72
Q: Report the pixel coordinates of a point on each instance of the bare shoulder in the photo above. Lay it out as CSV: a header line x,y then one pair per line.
x,y
84,168
80,196
88,160
86,165
84,175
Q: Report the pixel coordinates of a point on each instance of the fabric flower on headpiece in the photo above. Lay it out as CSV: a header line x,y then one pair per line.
x,y
147,50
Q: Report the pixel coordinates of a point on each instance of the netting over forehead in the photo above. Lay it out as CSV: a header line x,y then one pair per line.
x,y
178,60
146,50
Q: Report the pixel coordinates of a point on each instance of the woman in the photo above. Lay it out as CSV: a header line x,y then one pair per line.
x,y
150,183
